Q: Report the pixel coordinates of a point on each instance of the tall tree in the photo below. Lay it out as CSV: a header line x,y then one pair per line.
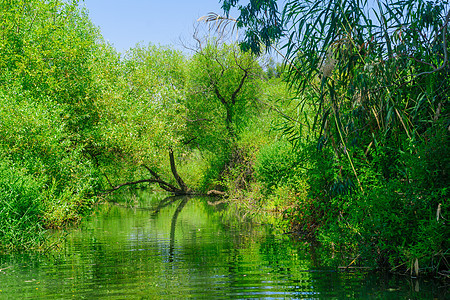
x,y
223,87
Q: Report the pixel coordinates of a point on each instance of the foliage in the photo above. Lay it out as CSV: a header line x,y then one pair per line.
x,y
223,84
20,202
262,179
222,88
47,117
141,105
277,164
375,81
359,155
76,117
263,20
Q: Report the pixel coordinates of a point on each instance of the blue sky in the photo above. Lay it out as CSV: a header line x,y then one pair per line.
x,y
127,22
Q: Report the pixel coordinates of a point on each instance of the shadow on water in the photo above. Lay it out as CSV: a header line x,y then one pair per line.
x,y
179,247
165,202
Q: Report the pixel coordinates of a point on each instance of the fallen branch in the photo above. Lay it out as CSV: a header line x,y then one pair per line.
x,y
181,190
215,193
131,183
163,184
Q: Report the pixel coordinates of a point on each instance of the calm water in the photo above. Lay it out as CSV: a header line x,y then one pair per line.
x,y
181,248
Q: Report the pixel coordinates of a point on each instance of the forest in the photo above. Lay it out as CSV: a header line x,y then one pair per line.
x,y
345,142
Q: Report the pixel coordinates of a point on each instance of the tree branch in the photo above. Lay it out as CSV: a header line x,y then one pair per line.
x,y
233,96
221,98
163,184
131,183
187,142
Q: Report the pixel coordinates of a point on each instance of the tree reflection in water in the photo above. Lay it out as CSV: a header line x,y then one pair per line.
x,y
173,226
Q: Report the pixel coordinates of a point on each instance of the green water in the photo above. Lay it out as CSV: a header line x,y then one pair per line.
x,y
183,248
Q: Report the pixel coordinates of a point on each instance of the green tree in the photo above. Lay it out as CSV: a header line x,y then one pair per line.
x,y
143,114
48,116
223,88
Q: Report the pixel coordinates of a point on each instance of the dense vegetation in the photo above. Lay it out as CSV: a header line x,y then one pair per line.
x,y
348,143
372,130
80,120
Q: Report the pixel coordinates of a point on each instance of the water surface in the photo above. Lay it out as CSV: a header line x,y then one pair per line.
x,y
180,248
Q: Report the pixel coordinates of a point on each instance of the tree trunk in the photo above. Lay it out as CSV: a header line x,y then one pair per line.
x,y
184,190
229,123
181,190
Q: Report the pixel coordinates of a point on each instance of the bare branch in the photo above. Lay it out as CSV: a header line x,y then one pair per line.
x,y
220,24
163,184
217,92
189,140
195,37
241,83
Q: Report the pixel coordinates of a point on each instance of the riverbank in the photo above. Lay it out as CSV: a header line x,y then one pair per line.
x,y
392,226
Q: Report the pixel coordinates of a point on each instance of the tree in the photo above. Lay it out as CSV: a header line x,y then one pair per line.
x,y
143,114
48,117
223,88
362,72
263,22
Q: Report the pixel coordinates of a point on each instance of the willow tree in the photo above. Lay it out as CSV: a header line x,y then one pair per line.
x,y
377,75
376,72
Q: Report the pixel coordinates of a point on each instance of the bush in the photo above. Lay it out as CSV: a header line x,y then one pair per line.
x,y
277,164
430,167
20,208
391,225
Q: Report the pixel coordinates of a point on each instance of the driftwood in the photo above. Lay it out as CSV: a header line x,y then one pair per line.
x,y
182,188
215,193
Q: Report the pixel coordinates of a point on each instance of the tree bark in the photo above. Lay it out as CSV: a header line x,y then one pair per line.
x,y
183,188
229,122
163,184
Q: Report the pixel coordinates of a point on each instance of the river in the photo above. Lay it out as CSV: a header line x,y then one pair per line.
x,y
179,248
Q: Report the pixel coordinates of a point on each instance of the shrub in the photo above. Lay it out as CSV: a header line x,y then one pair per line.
x,y
277,164
20,208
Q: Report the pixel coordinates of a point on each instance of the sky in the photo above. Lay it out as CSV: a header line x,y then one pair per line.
x,y
128,22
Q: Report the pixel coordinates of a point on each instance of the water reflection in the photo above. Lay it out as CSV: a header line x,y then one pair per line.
x,y
177,248
173,225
